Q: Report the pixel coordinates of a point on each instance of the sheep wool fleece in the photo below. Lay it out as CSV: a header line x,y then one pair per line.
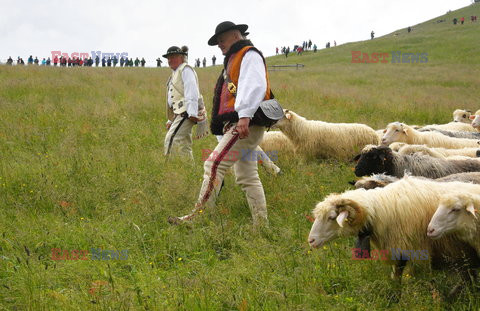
x,y
239,153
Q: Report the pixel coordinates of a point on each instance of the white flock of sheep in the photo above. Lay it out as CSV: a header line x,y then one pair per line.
x,y
423,192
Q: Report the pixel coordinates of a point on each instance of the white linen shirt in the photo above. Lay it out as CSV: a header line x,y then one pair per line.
x,y
252,85
190,92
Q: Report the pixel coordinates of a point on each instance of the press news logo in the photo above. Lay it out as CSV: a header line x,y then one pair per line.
x,y
397,57
93,254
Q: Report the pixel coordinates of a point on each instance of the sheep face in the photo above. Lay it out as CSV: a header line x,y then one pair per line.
x,y
334,218
454,214
375,161
475,121
288,117
461,115
395,132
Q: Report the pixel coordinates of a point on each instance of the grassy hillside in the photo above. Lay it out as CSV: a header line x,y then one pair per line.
x,y
81,167
444,42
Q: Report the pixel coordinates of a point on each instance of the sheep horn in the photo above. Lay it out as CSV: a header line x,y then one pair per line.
x,y
341,218
469,209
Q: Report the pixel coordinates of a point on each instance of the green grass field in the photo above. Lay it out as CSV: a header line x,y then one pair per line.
x,y
82,167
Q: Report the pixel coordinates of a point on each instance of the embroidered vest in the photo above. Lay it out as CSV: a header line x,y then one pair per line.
x,y
230,83
176,91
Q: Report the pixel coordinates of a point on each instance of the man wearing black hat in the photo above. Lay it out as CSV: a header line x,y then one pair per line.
x,y
241,87
185,106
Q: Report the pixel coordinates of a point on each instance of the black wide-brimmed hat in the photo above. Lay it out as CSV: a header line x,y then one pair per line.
x,y
176,50
224,27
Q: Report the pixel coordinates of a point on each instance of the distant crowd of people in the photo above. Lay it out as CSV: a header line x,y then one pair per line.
x,y
89,62
204,62
299,49
455,20
85,62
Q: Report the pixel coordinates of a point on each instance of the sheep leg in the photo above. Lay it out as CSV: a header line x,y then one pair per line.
x,y
363,243
398,270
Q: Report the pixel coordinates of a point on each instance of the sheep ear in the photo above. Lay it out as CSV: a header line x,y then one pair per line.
x,y
341,218
288,115
471,117
357,157
405,131
470,208
384,131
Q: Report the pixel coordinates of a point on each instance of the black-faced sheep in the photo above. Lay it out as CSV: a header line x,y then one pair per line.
x,y
394,217
381,159
326,140
399,132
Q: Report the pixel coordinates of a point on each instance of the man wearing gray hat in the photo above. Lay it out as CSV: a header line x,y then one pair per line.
x,y
185,106
241,87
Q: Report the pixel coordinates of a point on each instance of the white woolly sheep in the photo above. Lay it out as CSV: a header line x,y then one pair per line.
x,y
326,140
457,213
397,146
381,180
438,152
462,115
276,141
451,126
456,134
380,134
381,159
394,217
400,132
475,120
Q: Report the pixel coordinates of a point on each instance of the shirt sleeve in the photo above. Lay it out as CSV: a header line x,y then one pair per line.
x,y
252,85
190,91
